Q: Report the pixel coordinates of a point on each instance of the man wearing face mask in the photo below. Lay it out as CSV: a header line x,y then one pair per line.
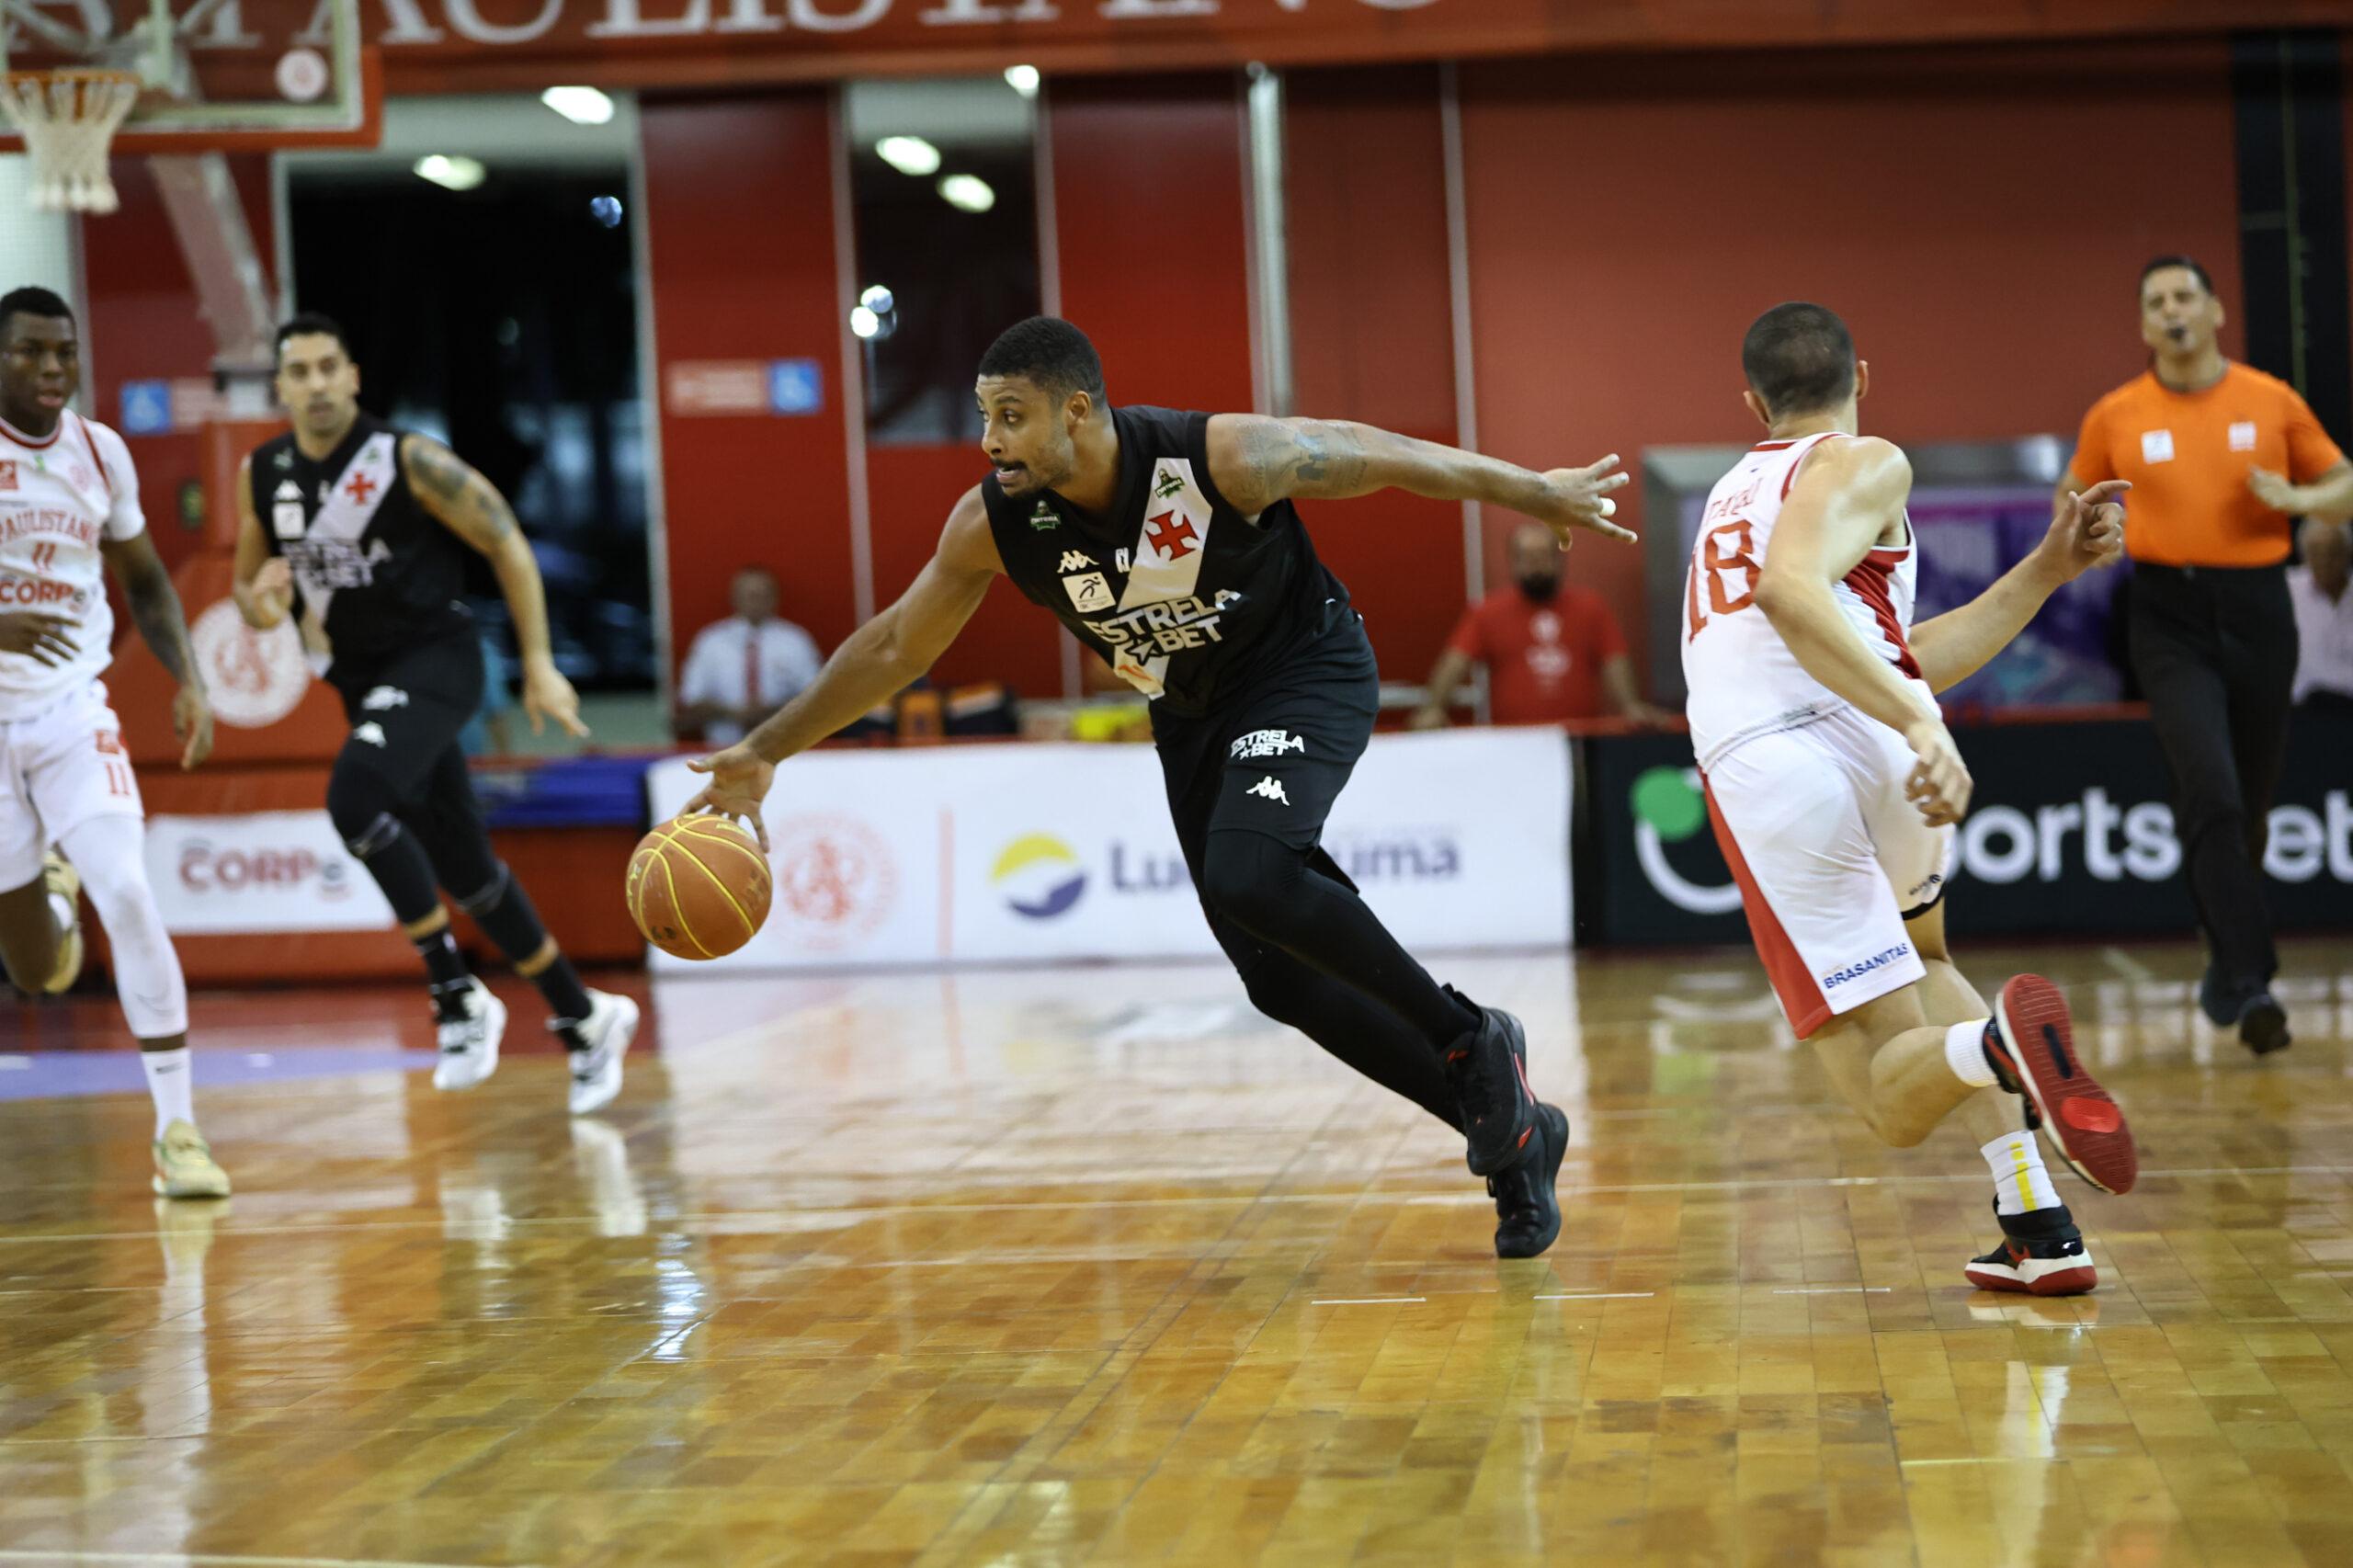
x,y
1552,650
2222,458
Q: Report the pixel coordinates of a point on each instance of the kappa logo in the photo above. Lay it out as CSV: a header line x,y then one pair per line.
x,y
372,732
1042,517
1271,787
1088,592
1266,743
287,491
383,698
1074,559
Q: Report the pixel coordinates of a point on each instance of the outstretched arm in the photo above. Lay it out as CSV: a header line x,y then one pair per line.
x,y
155,608
2087,531
875,663
470,506
1256,461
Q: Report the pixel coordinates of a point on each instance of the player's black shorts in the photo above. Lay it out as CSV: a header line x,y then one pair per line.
x,y
406,709
1273,756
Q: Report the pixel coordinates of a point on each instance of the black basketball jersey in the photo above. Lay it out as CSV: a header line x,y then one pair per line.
x,y
381,571
1181,595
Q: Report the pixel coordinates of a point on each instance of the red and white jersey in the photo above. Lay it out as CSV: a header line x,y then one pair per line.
x,y
61,495
1742,677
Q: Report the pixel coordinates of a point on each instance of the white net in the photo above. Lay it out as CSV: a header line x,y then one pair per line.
x,y
68,119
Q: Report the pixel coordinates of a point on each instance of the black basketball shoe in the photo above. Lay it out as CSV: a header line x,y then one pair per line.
x,y
1528,1216
1487,1068
2041,1254
2263,1024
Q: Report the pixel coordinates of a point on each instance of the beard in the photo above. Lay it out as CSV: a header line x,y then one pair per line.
x,y
1538,590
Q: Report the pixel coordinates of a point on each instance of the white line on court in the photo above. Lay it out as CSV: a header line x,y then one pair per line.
x,y
212,1560
1602,1296
1366,1300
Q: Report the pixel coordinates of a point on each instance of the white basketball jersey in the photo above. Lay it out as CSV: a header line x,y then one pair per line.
x,y
61,495
1742,679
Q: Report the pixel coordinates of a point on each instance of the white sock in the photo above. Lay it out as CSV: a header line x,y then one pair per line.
x,y
2020,1183
171,1079
1965,1054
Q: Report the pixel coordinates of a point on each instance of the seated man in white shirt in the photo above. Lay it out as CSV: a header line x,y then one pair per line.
x,y
740,669
2324,616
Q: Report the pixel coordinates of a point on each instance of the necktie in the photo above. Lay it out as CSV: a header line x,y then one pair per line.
x,y
752,668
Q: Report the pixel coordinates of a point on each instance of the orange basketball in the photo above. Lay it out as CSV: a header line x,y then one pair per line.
x,y
697,887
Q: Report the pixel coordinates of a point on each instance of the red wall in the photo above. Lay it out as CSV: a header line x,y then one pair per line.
x,y
145,325
741,232
1978,217
1372,334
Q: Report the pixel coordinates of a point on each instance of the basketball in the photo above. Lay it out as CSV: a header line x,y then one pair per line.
x,y
697,887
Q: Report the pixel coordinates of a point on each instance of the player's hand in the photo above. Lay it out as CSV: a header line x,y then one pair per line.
x,y
740,778
547,695
2274,490
38,635
1939,782
192,722
1579,498
271,593
2087,531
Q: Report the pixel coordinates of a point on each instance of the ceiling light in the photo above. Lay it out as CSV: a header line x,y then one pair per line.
x,y
909,156
863,321
452,173
1022,79
581,106
879,299
966,193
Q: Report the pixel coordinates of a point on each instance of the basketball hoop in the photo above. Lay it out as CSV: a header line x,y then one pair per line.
x,y
68,121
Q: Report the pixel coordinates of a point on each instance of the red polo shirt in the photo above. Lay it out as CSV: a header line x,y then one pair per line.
x,y
1543,661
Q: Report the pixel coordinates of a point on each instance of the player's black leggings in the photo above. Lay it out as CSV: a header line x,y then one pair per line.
x,y
2215,651
402,801
1249,787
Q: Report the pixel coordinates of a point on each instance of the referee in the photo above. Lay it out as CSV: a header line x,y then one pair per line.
x,y
2220,457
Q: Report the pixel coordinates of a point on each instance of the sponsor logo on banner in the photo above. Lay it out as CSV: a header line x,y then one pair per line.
x,y
1037,876
259,873
834,879
1668,809
254,678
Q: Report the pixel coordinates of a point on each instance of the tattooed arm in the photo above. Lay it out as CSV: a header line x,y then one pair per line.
x,y
155,608
1256,461
471,507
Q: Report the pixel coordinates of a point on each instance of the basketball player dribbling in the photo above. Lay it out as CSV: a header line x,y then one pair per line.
x,y
1833,786
69,509
1168,543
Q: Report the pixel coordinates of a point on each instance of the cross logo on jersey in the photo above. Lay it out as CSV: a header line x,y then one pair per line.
x,y
360,487
1172,535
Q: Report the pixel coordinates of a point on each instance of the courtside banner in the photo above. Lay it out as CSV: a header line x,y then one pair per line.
x,y
258,874
1047,852
2070,831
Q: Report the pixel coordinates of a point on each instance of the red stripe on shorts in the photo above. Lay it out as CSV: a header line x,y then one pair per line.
x,y
1801,999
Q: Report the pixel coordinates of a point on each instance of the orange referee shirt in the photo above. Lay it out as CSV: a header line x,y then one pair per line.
x,y
2188,455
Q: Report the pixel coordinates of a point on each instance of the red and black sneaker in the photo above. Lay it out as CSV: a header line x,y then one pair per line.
x,y
1487,1069
2030,1045
2041,1254
1527,1212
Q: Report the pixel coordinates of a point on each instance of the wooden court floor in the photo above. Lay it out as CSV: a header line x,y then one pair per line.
x,y
1086,1266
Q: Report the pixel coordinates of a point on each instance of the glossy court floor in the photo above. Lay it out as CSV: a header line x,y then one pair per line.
x,y
1086,1266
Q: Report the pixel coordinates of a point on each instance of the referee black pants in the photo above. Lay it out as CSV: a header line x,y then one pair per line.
x,y
2215,651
